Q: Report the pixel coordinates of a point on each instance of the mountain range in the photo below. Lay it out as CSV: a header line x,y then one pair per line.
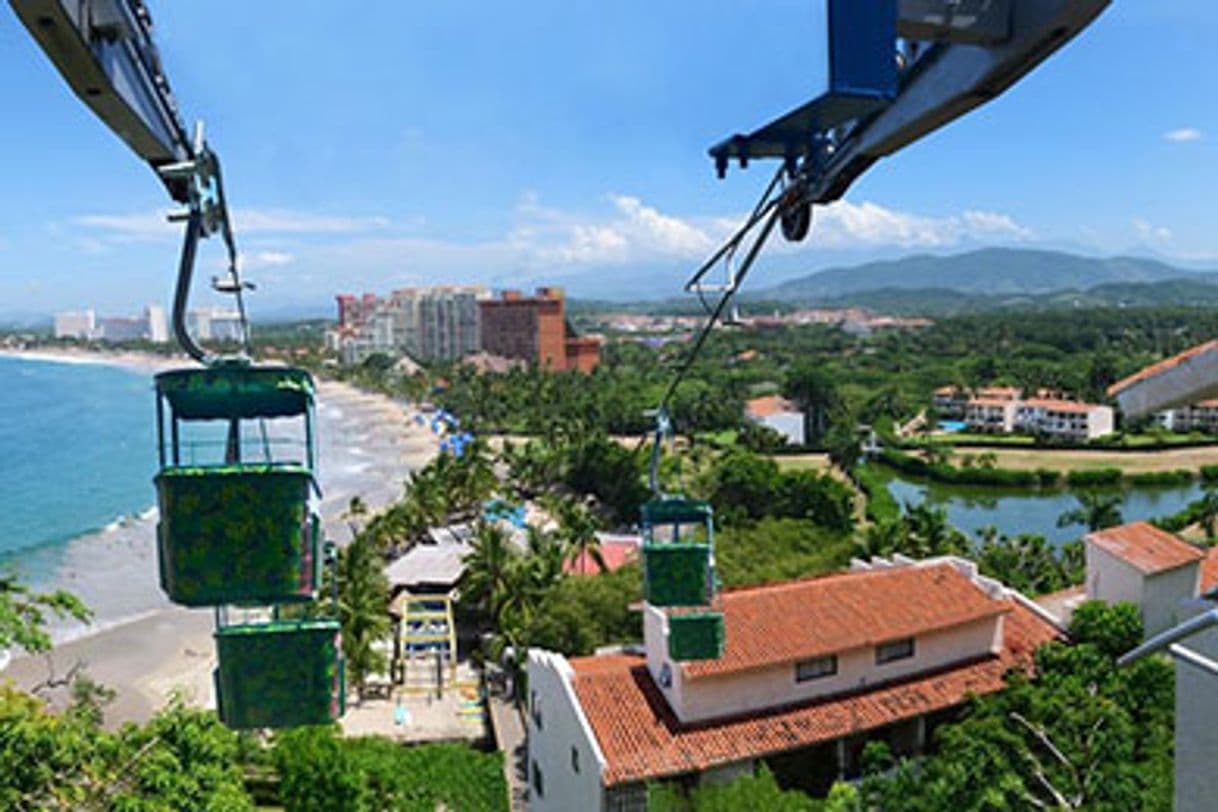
x,y
996,278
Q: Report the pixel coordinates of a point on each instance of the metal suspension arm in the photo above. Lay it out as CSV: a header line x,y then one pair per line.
x,y
104,50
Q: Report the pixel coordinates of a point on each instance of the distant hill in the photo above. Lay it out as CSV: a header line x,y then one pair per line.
x,y
990,273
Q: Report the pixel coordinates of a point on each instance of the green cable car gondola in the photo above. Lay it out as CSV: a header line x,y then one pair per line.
x,y
236,521
280,674
678,567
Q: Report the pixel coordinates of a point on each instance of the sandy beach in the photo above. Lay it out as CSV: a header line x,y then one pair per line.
x,y
143,647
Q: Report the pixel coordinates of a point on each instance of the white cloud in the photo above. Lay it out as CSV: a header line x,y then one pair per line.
x,y
264,259
850,225
152,226
1148,232
1183,135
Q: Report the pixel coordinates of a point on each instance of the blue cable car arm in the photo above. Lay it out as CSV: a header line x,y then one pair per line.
x,y
917,65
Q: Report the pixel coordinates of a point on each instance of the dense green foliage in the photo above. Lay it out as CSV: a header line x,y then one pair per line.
x,y
322,772
24,614
754,792
1080,734
183,759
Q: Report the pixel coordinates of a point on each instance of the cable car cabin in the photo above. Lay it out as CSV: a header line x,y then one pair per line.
x,y
280,674
695,635
678,565
237,474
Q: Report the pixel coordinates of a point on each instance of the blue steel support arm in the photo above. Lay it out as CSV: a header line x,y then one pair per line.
x,y
104,50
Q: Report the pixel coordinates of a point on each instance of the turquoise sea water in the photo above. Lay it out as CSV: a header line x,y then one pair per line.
x,y
77,455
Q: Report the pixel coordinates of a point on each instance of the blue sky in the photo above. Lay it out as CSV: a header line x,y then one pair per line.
x,y
546,141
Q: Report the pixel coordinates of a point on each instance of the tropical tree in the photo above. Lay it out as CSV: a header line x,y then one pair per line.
x,y
1207,512
363,607
24,614
1095,510
577,529
488,583
816,393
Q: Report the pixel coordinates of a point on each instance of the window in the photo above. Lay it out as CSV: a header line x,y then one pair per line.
x,y
665,676
896,650
536,710
817,668
538,784
575,759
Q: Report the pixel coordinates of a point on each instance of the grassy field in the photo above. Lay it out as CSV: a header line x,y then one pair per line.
x,y
1081,460
804,462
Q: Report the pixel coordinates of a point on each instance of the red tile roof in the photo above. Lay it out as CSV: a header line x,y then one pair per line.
x,y
1145,547
1000,402
780,623
615,554
1000,392
642,739
1057,405
1162,366
769,405
1209,570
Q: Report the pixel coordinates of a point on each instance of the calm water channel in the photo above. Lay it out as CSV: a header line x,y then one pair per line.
x,y
1017,511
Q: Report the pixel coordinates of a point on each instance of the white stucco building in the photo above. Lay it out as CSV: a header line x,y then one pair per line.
x,y
811,671
1145,566
779,414
1064,419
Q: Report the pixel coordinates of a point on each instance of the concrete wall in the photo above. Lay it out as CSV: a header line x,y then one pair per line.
x,y
788,424
1197,728
713,697
1158,596
1110,579
1163,595
563,728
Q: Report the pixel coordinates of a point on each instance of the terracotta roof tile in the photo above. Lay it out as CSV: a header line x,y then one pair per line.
x,y
1209,570
769,405
1162,366
1145,547
802,619
642,739
991,402
1057,405
615,554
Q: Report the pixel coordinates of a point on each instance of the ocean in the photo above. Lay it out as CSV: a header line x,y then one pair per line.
x,y
77,457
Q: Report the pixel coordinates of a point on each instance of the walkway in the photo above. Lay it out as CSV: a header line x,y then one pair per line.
x,y
510,738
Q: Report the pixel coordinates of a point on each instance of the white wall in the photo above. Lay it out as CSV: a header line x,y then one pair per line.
x,y
1158,596
1197,728
713,697
563,727
1100,422
1163,595
788,424
1110,579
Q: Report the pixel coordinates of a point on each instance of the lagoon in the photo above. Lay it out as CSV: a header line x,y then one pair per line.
x,y
1014,511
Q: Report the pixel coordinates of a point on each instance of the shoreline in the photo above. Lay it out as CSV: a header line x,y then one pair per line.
x,y
368,446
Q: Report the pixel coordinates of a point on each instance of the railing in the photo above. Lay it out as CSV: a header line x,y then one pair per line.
x,y
254,449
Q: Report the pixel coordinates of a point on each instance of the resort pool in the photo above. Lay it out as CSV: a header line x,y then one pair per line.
x,y
951,426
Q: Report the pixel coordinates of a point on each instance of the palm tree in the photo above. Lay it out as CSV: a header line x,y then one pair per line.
x,y
577,528
363,604
1207,512
488,584
1095,510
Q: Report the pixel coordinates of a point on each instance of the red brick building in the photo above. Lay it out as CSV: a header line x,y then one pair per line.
x,y
535,330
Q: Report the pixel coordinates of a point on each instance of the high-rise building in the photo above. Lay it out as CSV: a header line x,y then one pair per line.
x,y
214,324
535,330
158,327
428,324
80,324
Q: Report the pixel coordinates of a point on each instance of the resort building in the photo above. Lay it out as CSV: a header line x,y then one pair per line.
x,y
1200,417
949,401
779,414
990,415
1063,419
535,329
1145,566
811,671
